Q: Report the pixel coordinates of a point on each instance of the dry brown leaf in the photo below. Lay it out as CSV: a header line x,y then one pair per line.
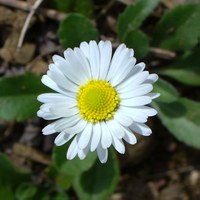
x,y
31,153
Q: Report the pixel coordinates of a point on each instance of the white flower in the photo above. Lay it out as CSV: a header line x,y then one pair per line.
x,y
100,99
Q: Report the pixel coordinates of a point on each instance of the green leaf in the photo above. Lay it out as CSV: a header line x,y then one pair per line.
x,y
71,167
138,41
60,197
41,194
30,191
187,69
133,16
98,182
182,119
84,7
167,92
9,175
61,5
74,29
26,191
179,28
18,97
6,191
64,181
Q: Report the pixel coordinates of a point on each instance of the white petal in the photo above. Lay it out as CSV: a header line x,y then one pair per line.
x,y
65,67
64,111
129,136
85,136
123,119
117,64
153,95
118,144
136,114
47,115
84,46
51,84
139,91
77,72
136,101
77,128
49,129
121,66
62,138
82,153
64,123
147,110
96,136
132,82
84,62
45,107
73,149
53,98
45,111
94,59
131,52
102,154
63,105
151,78
54,68
114,60
138,68
62,81
125,70
40,113
105,49
56,58
115,129
141,128
106,138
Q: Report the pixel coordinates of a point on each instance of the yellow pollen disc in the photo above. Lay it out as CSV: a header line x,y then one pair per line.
x,y
97,101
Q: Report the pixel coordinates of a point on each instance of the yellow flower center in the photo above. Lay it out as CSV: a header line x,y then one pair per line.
x,y
97,101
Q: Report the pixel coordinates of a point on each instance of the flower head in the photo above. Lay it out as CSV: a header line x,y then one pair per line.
x,y
100,99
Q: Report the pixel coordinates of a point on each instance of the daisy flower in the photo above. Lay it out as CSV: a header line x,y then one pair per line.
x,y
99,99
